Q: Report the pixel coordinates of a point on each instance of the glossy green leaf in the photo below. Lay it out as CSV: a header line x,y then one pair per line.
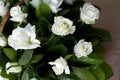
x,y
3,60
68,77
88,60
97,72
98,52
83,74
44,26
36,58
103,34
60,49
27,74
95,41
11,53
26,57
27,2
43,11
107,70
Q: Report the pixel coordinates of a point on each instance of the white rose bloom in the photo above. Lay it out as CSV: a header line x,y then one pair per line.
x,y
60,65
82,48
89,13
35,3
3,41
3,8
13,68
54,5
69,1
24,38
62,26
17,14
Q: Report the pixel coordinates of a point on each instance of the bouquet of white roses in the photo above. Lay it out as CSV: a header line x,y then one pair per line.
x,y
51,40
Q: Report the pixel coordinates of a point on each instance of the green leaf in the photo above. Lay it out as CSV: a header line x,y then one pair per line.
x,y
11,54
3,60
89,60
97,72
59,49
27,2
28,73
83,74
95,41
68,77
103,34
26,57
99,49
36,58
98,52
44,26
43,11
107,70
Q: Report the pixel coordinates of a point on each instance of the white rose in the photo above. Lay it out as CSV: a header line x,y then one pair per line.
x,y
35,3
89,13
13,68
3,8
54,5
62,26
82,48
24,38
17,14
69,1
3,41
60,65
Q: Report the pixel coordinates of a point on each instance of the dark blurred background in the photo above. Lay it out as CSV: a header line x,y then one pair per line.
x,y
110,20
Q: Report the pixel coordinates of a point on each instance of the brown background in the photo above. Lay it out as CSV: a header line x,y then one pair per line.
x,y
110,20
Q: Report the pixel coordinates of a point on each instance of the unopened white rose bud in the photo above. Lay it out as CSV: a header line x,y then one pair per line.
x,y
13,68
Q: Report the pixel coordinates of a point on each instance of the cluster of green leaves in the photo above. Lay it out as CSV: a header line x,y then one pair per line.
x,y
35,62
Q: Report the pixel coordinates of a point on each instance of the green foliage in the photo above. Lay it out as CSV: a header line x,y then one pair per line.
x,y
98,73
26,57
107,70
36,58
88,60
44,26
83,73
27,2
28,73
59,49
34,62
11,54
68,77
43,11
